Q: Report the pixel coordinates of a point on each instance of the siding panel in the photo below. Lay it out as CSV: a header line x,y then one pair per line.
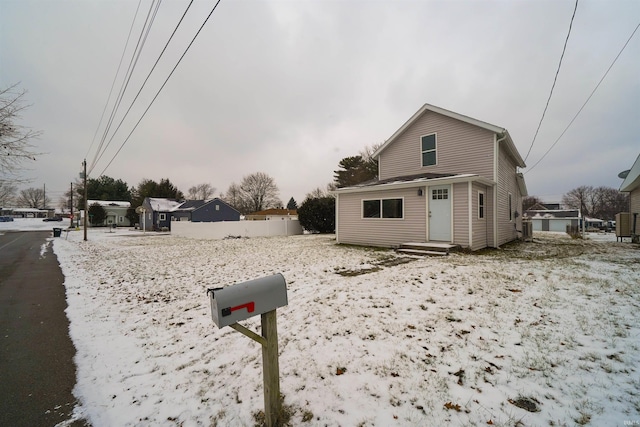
x,y
634,201
461,148
480,225
461,214
353,229
507,184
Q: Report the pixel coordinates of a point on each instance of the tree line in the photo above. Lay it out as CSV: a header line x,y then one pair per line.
x,y
595,202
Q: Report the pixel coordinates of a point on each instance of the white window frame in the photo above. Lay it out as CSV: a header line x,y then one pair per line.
x,y
481,205
162,217
381,199
434,150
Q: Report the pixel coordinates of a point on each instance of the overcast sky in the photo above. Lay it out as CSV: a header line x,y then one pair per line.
x,y
291,87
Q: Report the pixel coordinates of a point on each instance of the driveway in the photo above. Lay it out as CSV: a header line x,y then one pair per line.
x,y
37,372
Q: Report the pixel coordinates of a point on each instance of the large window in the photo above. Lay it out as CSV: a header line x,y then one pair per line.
x,y
382,208
428,143
480,205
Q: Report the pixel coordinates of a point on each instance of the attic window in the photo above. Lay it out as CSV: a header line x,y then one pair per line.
x,y
217,207
428,146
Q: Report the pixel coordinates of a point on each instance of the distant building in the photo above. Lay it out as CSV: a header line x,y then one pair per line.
x,y
272,214
116,212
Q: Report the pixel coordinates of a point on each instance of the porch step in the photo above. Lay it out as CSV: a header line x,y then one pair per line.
x,y
432,248
422,252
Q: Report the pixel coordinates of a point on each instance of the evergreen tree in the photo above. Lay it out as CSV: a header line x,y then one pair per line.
x,y
318,215
97,214
292,205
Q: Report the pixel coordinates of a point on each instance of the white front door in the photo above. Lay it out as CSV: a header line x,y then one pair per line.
x,y
439,205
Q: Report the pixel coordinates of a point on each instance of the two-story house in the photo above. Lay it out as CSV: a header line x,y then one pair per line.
x,y
442,177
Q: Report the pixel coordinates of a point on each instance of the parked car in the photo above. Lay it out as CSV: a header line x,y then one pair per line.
x,y
55,218
6,218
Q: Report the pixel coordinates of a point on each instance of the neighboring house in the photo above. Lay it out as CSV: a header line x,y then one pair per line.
x,y
631,185
31,213
156,213
116,212
553,219
593,223
205,211
272,214
443,177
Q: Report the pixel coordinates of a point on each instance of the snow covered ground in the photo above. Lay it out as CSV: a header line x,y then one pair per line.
x,y
535,334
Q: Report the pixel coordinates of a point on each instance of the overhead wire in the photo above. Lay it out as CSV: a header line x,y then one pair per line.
x,y
585,103
115,77
564,48
162,87
132,65
145,80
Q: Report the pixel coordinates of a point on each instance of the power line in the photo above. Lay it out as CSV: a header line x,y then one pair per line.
x,y
564,48
585,102
132,65
162,87
114,78
145,81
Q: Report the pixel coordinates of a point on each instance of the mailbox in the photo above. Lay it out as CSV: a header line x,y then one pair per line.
x,y
238,302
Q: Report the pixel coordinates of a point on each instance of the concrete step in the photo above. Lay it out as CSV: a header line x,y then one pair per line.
x,y
422,252
432,247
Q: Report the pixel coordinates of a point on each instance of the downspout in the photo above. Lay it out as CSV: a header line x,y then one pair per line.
x,y
496,163
470,201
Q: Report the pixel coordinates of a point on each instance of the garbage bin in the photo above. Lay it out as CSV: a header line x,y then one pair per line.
x,y
57,232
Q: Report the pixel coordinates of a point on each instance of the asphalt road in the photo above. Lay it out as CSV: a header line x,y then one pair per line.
x,y
37,372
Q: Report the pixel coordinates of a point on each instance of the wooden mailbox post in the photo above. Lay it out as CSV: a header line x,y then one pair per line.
x,y
243,300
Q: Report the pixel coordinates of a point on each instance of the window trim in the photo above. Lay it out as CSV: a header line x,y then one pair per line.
x,y
481,205
435,150
162,216
380,199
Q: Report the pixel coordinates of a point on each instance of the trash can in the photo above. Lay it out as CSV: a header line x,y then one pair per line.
x,y
57,232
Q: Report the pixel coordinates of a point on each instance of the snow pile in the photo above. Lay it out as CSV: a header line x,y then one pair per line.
x,y
543,333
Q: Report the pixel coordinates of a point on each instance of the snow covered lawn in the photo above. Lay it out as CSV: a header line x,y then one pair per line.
x,y
535,334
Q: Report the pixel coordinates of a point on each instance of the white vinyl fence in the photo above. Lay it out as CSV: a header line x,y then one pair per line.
x,y
220,230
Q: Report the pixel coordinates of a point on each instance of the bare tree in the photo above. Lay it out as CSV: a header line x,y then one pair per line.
x,y
599,202
316,193
235,198
7,193
33,198
15,140
201,192
610,202
260,191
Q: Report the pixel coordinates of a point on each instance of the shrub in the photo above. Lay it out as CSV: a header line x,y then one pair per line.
x,y
318,215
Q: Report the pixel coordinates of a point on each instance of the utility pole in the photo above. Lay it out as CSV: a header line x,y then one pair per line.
x,y
44,199
71,216
86,207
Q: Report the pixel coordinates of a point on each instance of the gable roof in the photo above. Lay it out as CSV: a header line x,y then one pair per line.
x,y
632,181
503,134
162,205
194,205
189,205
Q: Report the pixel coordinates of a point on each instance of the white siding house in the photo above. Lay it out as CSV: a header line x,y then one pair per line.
x,y
443,177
